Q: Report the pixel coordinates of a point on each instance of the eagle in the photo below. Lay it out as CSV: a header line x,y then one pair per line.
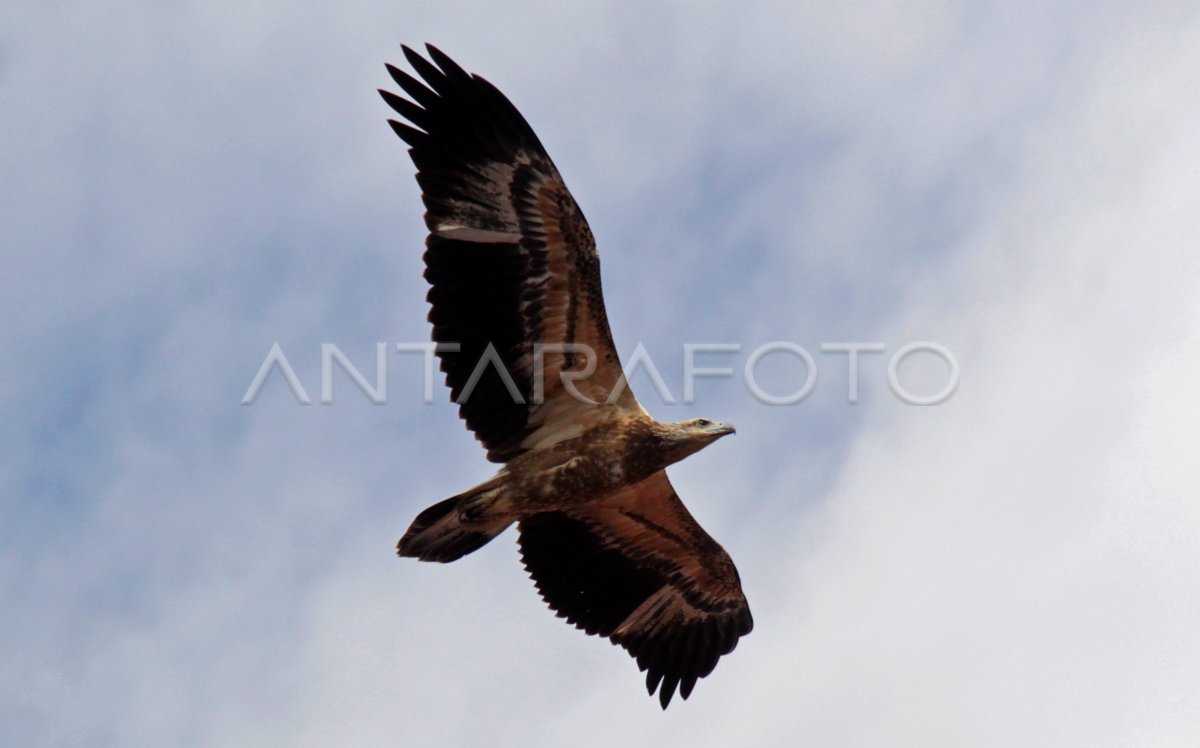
x,y
523,340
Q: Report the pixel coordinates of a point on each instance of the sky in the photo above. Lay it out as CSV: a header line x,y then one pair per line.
x,y
187,184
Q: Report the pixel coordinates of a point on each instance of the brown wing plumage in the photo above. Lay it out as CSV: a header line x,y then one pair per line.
x,y
638,569
510,258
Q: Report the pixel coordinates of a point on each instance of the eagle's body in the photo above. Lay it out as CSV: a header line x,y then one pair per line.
x,y
606,458
527,352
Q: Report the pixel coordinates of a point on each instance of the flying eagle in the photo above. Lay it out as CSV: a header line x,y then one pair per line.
x,y
518,314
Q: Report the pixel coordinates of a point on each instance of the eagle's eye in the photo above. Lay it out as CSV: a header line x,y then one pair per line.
x,y
703,422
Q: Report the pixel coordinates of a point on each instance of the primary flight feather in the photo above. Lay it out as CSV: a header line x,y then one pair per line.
x,y
518,313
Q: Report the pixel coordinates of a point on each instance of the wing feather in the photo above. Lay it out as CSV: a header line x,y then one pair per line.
x,y
510,260
638,569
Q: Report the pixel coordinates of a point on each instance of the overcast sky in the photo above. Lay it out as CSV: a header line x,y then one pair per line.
x,y
185,185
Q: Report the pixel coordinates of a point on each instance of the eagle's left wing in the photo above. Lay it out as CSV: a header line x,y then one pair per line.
x,y
638,569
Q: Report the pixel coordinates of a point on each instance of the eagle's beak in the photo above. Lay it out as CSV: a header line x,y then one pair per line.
x,y
725,429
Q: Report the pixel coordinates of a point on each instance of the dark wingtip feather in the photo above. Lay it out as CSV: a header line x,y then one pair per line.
x,y
690,657
410,54
400,105
410,135
394,72
652,679
406,109
449,66
667,689
417,91
426,69
686,685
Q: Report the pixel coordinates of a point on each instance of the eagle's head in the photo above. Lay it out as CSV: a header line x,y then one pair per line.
x,y
706,430
688,437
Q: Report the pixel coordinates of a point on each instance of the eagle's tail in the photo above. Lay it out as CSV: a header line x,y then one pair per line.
x,y
454,527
